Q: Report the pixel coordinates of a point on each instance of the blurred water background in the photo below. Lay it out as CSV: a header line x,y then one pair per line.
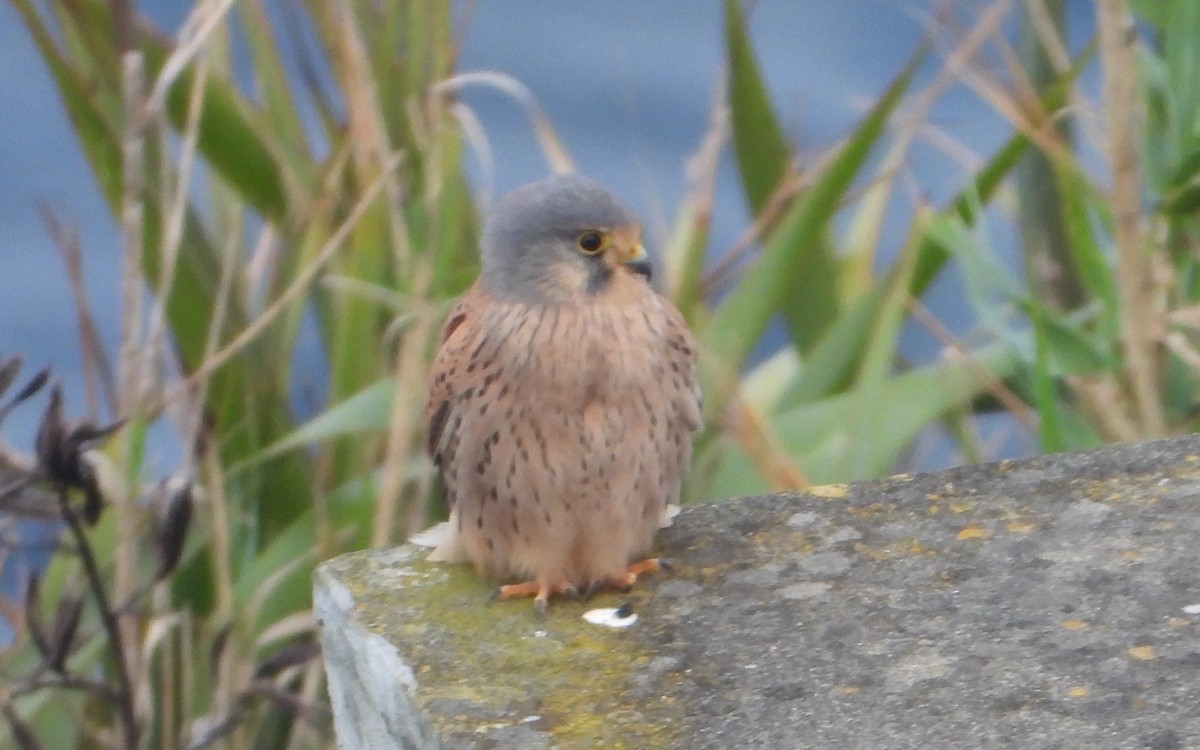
x,y
628,86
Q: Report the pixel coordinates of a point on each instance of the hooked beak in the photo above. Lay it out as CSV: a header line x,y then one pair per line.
x,y
639,262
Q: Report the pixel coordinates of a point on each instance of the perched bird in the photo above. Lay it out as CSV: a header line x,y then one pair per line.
x,y
561,399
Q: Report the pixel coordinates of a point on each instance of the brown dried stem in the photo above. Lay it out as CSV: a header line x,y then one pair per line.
x,y
108,618
1141,325
132,371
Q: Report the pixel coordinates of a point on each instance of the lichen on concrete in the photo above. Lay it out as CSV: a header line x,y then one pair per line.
x,y
490,670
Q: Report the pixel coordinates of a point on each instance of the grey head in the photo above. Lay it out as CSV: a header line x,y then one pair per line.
x,y
558,238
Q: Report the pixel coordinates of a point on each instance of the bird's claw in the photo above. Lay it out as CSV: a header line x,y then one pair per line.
x,y
540,592
625,581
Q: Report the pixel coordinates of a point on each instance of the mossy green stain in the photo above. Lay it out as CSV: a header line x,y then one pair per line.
x,y
503,662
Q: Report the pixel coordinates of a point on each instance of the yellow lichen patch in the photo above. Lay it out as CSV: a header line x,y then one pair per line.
x,y
1141,653
847,690
1178,622
832,491
1130,554
915,547
961,507
491,656
877,554
973,531
1021,527
1074,624
892,550
874,510
1078,692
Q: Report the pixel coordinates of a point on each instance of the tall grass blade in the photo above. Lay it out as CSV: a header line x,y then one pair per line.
x,y
794,269
763,154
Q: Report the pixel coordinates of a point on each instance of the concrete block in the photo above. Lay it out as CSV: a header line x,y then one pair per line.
x,y
1052,603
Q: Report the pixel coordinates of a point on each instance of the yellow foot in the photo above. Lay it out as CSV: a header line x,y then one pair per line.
x,y
541,593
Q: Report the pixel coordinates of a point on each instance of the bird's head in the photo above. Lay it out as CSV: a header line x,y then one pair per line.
x,y
558,238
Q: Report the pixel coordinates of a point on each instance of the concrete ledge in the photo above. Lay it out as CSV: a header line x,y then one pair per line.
x,y
1053,603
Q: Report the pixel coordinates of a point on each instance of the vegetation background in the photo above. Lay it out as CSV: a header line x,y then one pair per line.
x,y
292,197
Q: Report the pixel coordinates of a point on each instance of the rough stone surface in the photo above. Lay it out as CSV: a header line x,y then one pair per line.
x,y
1052,603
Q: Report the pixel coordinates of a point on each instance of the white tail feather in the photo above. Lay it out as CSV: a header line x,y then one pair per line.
x,y
443,538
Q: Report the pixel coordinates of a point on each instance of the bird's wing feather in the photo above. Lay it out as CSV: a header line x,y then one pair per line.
x,y
447,382
682,358
445,377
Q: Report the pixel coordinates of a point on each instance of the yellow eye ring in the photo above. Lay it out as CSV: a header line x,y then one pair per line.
x,y
591,242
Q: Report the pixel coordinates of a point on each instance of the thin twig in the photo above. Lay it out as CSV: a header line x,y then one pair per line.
x,y
1015,406
555,153
301,284
683,253
777,204
95,359
762,445
174,204
203,22
108,619
53,681
1022,108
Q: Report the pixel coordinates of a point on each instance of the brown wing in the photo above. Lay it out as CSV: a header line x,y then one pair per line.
x,y
684,386
449,378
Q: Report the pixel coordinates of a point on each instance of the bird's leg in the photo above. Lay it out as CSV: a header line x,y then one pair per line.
x,y
541,592
629,577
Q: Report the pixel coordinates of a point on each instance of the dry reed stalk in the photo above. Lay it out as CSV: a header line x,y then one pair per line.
x,y
764,449
131,369
407,408
555,153
1002,393
682,273
1021,108
1142,325
97,371
300,284
176,182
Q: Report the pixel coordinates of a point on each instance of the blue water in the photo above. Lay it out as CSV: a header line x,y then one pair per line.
x,y
628,87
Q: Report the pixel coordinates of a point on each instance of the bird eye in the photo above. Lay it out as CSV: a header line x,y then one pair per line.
x,y
591,242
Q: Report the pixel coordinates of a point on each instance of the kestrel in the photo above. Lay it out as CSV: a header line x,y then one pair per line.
x,y
562,398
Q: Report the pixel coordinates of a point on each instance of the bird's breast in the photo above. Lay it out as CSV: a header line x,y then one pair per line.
x,y
580,353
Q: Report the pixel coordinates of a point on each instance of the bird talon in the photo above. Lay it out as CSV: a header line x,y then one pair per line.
x,y
649,565
540,592
626,580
